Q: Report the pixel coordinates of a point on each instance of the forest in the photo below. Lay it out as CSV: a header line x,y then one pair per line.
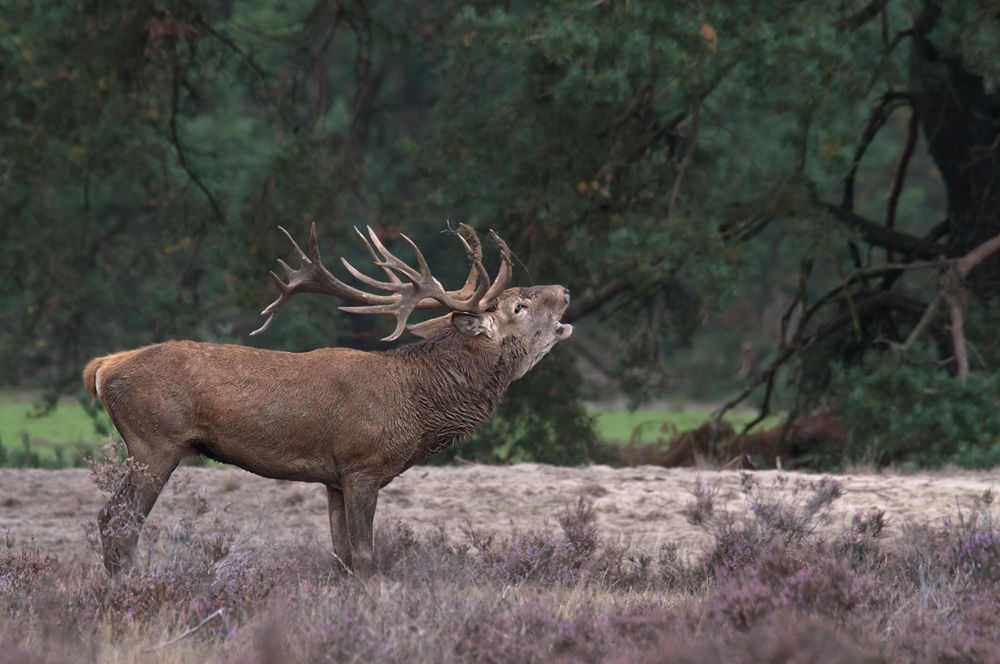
x,y
787,206
785,213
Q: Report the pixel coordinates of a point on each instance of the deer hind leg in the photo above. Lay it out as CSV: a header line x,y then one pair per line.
x,y
121,519
338,526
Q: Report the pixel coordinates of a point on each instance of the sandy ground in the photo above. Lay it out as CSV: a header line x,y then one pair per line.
x,y
644,506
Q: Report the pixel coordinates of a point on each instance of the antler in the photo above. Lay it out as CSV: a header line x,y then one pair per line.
x,y
420,290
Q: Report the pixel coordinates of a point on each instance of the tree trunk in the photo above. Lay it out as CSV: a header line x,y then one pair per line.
x,y
961,121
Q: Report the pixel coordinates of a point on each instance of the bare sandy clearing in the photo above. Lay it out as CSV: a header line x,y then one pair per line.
x,y
643,505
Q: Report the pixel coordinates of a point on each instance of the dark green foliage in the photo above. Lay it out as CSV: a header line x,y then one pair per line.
x,y
904,410
151,150
662,160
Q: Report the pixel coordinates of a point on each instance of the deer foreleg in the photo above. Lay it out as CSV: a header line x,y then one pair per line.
x,y
360,499
338,526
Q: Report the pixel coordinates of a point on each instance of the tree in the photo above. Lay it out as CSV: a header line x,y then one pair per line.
x,y
662,160
150,149
644,148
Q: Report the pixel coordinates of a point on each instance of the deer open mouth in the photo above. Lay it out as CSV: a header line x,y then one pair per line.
x,y
563,330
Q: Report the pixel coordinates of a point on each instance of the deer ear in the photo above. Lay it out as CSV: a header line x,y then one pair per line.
x,y
473,324
431,328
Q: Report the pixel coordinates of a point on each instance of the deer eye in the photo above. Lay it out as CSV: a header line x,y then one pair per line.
x,y
518,308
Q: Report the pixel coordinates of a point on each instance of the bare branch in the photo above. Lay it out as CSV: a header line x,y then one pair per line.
x,y
912,133
802,341
642,94
880,236
951,294
965,264
597,300
175,140
957,334
861,275
890,102
867,13
766,374
765,408
925,320
938,231
693,142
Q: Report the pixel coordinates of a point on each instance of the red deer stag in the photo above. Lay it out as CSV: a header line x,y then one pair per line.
x,y
348,419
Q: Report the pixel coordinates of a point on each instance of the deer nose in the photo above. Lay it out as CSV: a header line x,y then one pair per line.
x,y
567,295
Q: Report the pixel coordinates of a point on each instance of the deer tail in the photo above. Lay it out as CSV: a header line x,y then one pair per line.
x,y
90,376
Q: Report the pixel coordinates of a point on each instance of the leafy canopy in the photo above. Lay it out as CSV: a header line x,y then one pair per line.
x,y
665,161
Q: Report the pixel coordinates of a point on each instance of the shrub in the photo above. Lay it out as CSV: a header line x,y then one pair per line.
x,y
801,576
945,563
21,571
903,409
703,508
542,555
768,588
738,541
974,542
860,544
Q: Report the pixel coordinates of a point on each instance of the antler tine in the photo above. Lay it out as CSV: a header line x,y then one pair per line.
x,y
313,277
504,274
477,274
313,244
425,272
469,294
374,283
390,265
473,238
426,292
468,249
401,312
473,303
273,307
276,306
390,261
375,259
475,251
465,299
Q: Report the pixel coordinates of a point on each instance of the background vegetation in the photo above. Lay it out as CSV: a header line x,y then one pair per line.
x,y
720,184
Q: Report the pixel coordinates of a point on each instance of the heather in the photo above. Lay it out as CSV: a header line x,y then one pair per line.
x,y
776,581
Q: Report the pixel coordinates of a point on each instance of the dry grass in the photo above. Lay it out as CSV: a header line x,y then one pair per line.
x,y
771,584
643,506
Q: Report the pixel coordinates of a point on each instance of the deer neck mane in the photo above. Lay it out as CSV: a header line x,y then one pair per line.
x,y
458,382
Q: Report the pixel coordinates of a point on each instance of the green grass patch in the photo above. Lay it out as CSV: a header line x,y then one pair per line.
x,y
649,426
54,440
59,438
